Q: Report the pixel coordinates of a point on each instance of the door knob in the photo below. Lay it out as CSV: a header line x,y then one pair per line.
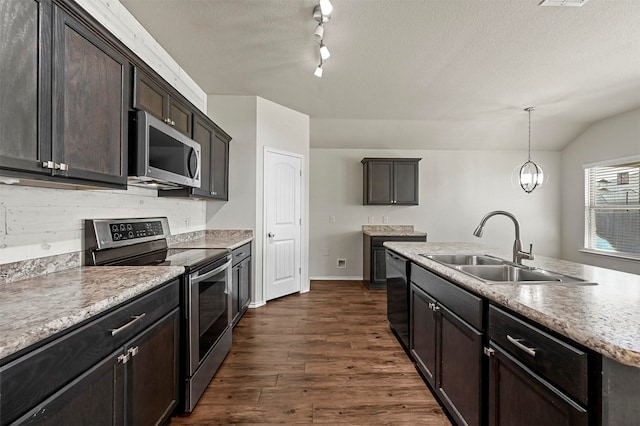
x,y
271,235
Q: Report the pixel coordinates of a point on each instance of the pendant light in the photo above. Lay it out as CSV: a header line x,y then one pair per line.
x,y
531,175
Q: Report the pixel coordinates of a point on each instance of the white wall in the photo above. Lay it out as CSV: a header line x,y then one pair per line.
x,y
39,222
615,137
256,123
457,188
117,19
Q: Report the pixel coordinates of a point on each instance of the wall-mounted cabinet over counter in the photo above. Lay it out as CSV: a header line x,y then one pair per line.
x,y
391,181
214,176
65,88
157,100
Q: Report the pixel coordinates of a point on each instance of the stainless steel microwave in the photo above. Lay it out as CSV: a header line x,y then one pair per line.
x,y
161,156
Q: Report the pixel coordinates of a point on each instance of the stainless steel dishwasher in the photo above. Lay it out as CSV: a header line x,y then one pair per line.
x,y
398,296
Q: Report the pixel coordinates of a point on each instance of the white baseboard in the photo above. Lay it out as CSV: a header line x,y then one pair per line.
x,y
258,304
334,278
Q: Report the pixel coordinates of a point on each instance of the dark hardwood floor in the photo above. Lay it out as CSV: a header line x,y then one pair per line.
x,y
326,356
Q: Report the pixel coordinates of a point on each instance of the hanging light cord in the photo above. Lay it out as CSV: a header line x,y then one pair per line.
x,y
529,110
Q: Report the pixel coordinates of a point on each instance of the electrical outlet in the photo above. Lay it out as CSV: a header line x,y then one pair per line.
x,y
385,219
372,219
341,263
332,219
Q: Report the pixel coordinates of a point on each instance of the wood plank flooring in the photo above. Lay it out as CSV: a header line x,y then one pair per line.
x,y
326,356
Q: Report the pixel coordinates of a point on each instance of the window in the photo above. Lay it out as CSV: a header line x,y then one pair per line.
x,y
612,207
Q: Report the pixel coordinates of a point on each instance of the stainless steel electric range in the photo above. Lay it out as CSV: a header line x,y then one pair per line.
x,y
205,295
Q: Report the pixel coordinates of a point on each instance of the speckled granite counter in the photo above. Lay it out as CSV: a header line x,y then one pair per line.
x,y
603,317
391,231
37,308
223,238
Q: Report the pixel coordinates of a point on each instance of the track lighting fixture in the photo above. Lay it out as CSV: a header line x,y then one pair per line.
x,y
322,14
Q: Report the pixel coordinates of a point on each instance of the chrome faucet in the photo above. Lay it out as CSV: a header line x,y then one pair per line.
x,y
518,254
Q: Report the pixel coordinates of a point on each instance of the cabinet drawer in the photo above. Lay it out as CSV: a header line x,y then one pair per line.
x,y
559,362
29,379
464,304
241,253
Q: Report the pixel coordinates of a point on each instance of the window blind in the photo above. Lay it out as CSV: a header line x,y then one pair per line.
x,y
612,208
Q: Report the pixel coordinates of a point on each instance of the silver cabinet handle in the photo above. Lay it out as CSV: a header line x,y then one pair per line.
x,y
64,167
134,320
518,344
133,351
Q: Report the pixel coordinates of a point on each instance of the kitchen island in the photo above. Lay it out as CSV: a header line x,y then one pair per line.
x,y
600,316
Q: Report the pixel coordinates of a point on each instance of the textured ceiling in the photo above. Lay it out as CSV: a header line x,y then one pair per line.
x,y
439,74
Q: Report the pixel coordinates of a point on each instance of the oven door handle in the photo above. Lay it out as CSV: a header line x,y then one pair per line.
x,y
197,278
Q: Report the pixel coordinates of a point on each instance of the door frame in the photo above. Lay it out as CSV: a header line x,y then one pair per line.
x,y
304,286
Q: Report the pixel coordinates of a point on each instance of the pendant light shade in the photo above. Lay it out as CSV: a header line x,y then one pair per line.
x,y
531,175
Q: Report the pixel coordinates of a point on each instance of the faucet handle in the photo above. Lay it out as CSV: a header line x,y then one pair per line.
x,y
530,255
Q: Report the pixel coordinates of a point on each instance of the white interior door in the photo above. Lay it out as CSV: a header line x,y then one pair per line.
x,y
283,213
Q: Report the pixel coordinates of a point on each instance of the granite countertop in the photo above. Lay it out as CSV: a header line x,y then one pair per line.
x,y
224,238
391,231
603,317
34,309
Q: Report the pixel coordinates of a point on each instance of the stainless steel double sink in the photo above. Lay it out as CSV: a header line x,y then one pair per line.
x,y
492,269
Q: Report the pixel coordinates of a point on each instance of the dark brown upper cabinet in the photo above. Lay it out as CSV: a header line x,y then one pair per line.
x,y
214,168
90,88
391,181
152,97
63,112
25,103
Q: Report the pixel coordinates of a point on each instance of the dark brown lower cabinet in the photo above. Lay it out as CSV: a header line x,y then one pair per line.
x,y
518,396
136,385
448,352
241,281
119,368
459,376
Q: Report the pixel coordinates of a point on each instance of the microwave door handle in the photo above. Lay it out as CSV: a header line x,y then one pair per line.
x,y
198,278
198,163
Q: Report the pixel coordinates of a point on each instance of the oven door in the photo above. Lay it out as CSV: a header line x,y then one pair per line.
x,y
209,307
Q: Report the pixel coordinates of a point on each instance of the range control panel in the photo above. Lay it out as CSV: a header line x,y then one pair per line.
x,y
110,233
135,230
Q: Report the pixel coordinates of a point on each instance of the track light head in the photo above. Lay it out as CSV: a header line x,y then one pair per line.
x,y
324,52
318,71
319,16
319,32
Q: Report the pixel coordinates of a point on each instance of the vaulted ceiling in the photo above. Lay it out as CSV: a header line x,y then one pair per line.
x,y
434,74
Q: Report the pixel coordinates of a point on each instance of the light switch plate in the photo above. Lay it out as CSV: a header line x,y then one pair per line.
x,y
372,219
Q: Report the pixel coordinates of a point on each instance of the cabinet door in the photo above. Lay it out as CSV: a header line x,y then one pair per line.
x,y
204,134
423,333
235,293
149,96
25,85
220,167
459,376
379,178
90,86
94,398
152,372
181,116
379,267
244,290
405,182
518,396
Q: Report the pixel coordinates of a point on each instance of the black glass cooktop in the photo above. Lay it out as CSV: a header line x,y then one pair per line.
x,y
189,258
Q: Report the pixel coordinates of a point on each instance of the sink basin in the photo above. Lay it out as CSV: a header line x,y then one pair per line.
x,y
507,273
518,274
464,259
492,269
